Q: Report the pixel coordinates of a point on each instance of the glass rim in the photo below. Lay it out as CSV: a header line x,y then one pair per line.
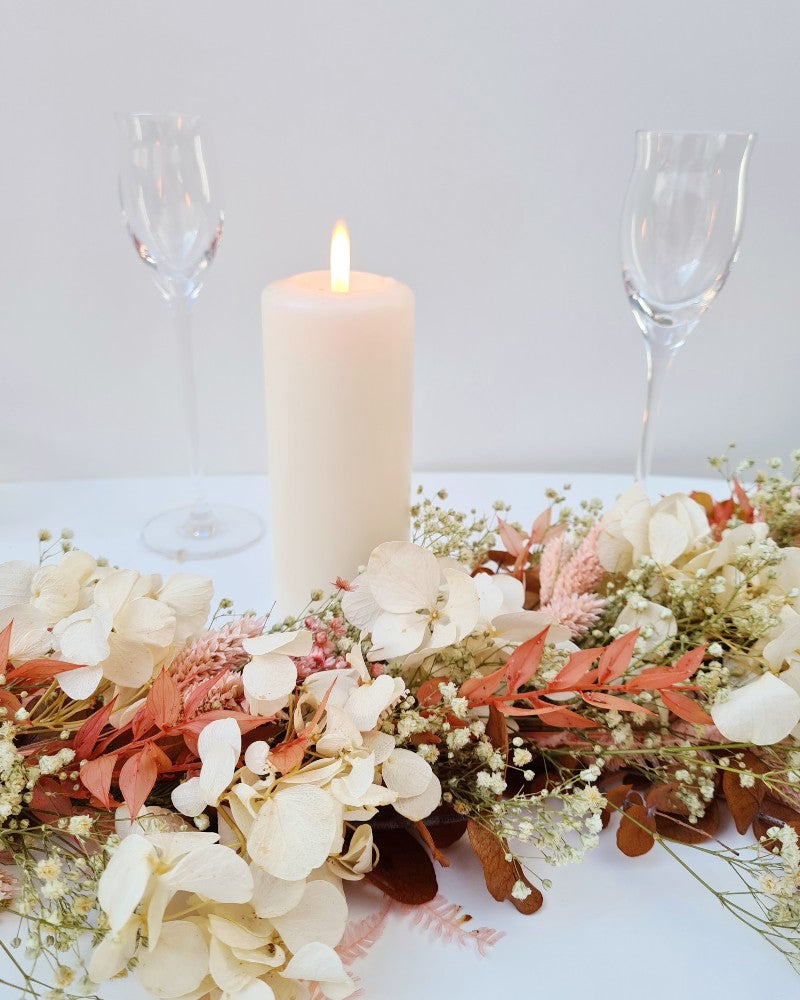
x,y
127,115
694,132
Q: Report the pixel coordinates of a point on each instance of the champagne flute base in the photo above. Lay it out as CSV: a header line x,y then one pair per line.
x,y
221,530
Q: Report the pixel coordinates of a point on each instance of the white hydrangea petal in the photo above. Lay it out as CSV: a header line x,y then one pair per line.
x,y
129,663
406,773
188,594
395,635
419,807
125,879
114,590
667,538
147,621
16,578
55,592
256,757
379,744
317,962
359,605
81,683
298,643
463,604
351,788
321,915
113,953
762,712
213,872
219,745
178,964
784,647
270,679
188,797
367,701
318,772
339,682
403,577
83,636
294,831
273,896
257,990
340,733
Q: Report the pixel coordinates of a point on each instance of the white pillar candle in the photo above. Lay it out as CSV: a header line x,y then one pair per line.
x,y
338,368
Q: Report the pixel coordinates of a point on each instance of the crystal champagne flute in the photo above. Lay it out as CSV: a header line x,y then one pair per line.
x,y
171,207
681,226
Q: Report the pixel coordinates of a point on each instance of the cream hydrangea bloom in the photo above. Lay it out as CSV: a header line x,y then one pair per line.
x,y
762,712
665,531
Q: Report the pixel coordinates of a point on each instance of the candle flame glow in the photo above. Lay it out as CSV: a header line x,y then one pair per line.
x,y
340,258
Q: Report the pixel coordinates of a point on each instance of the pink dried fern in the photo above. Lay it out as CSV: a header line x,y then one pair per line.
x,y
447,921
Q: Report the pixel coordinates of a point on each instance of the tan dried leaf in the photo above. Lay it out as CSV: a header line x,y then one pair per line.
x,y
636,831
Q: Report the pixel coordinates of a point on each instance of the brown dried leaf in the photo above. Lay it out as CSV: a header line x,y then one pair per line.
x,y
677,828
616,799
497,731
744,803
404,870
447,834
632,839
491,851
430,843
774,813
531,903
663,798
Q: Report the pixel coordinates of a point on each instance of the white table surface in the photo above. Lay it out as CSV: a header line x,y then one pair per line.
x,y
611,927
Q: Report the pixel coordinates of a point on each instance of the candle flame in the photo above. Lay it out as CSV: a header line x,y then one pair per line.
x,y
340,258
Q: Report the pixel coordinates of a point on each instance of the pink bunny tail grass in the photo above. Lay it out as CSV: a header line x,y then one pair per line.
x,y
577,612
549,567
582,571
219,649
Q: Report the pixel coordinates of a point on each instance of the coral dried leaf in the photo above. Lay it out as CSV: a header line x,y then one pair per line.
x,y
612,703
96,777
136,779
498,872
673,827
655,678
404,870
164,700
511,537
616,657
524,662
685,708
87,736
5,643
575,672
479,689
39,670
636,831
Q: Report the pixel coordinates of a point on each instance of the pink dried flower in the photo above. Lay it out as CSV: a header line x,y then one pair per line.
x,y
323,655
8,887
341,584
568,581
219,649
227,693
549,567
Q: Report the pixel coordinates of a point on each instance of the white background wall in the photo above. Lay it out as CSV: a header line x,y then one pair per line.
x,y
479,151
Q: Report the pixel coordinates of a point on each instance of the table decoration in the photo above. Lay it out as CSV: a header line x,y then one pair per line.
x,y
338,367
195,797
171,206
681,226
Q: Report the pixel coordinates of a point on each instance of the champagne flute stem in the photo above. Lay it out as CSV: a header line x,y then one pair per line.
x,y
200,521
659,359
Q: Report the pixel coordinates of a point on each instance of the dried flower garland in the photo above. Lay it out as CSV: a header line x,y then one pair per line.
x,y
194,798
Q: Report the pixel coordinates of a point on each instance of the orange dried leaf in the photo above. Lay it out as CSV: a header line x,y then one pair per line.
x,y
612,703
5,643
636,831
511,537
685,708
87,736
575,671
